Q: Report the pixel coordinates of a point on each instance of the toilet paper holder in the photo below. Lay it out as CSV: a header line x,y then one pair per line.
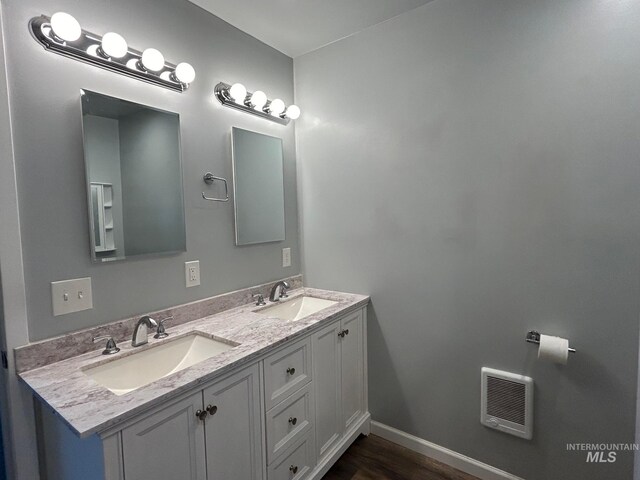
x,y
534,337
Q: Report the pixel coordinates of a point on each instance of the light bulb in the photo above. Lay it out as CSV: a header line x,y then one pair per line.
x,y
113,45
185,73
238,92
276,107
293,112
258,99
152,60
66,27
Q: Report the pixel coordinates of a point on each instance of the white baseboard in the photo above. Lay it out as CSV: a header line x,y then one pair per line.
x,y
444,455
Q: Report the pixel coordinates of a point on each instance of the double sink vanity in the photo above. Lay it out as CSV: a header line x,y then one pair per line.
x,y
236,390
256,384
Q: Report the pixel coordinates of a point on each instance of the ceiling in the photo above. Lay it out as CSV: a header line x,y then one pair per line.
x,y
296,27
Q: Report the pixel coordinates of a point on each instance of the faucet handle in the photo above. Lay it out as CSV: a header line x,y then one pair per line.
x,y
110,348
160,332
260,298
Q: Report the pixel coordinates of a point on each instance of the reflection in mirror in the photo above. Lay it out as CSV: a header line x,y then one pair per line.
x,y
134,178
258,184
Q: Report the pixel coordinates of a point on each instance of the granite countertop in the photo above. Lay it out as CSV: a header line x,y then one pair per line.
x,y
89,408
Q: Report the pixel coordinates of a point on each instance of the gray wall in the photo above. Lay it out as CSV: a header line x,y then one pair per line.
x,y
46,120
16,405
3,396
474,167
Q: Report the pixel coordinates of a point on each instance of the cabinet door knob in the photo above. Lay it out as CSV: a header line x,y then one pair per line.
x,y
293,469
293,420
201,414
212,409
341,333
291,371
346,332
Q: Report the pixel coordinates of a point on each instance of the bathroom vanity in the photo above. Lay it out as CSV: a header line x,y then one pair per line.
x,y
282,399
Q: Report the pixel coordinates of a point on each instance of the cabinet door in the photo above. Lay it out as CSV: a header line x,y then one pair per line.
x,y
234,432
166,444
325,348
352,368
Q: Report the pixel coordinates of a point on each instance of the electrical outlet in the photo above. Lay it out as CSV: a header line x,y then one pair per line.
x,y
68,296
192,273
286,257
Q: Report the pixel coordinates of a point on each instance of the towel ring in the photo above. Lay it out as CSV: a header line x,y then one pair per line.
x,y
209,178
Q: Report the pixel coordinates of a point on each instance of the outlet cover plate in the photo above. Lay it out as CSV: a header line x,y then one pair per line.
x,y
286,257
192,273
68,296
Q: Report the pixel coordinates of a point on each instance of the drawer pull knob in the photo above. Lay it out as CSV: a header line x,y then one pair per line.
x,y
212,409
293,420
291,371
293,469
201,414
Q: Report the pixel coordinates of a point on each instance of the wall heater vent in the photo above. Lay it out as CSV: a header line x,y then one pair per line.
x,y
507,402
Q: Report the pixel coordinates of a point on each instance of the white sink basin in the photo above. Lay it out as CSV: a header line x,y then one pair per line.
x,y
296,309
134,371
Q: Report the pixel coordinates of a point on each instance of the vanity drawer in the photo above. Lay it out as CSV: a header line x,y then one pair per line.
x,y
289,421
286,371
296,463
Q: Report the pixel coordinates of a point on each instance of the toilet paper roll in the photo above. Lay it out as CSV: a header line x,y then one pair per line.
x,y
555,349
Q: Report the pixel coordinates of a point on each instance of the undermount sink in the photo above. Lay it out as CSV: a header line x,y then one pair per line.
x,y
298,308
142,368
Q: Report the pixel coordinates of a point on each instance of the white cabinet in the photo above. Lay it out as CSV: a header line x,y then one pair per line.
x,y
296,463
166,444
286,371
289,416
233,428
289,421
325,346
352,350
215,434
338,355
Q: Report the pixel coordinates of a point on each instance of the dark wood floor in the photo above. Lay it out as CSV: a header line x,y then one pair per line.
x,y
373,458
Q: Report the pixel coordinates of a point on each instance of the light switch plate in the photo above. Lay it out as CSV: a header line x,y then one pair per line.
x,y
286,257
192,273
68,296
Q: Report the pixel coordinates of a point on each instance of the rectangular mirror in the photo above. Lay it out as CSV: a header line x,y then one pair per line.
x,y
258,185
134,178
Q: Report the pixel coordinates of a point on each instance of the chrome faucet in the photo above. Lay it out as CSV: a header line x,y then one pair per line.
x,y
141,332
279,291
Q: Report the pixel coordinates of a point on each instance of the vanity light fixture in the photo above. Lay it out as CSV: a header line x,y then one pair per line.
x,y
276,107
293,112
61,33
152,60
238,92
65,27
256,103
258,100
184,73
113,46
